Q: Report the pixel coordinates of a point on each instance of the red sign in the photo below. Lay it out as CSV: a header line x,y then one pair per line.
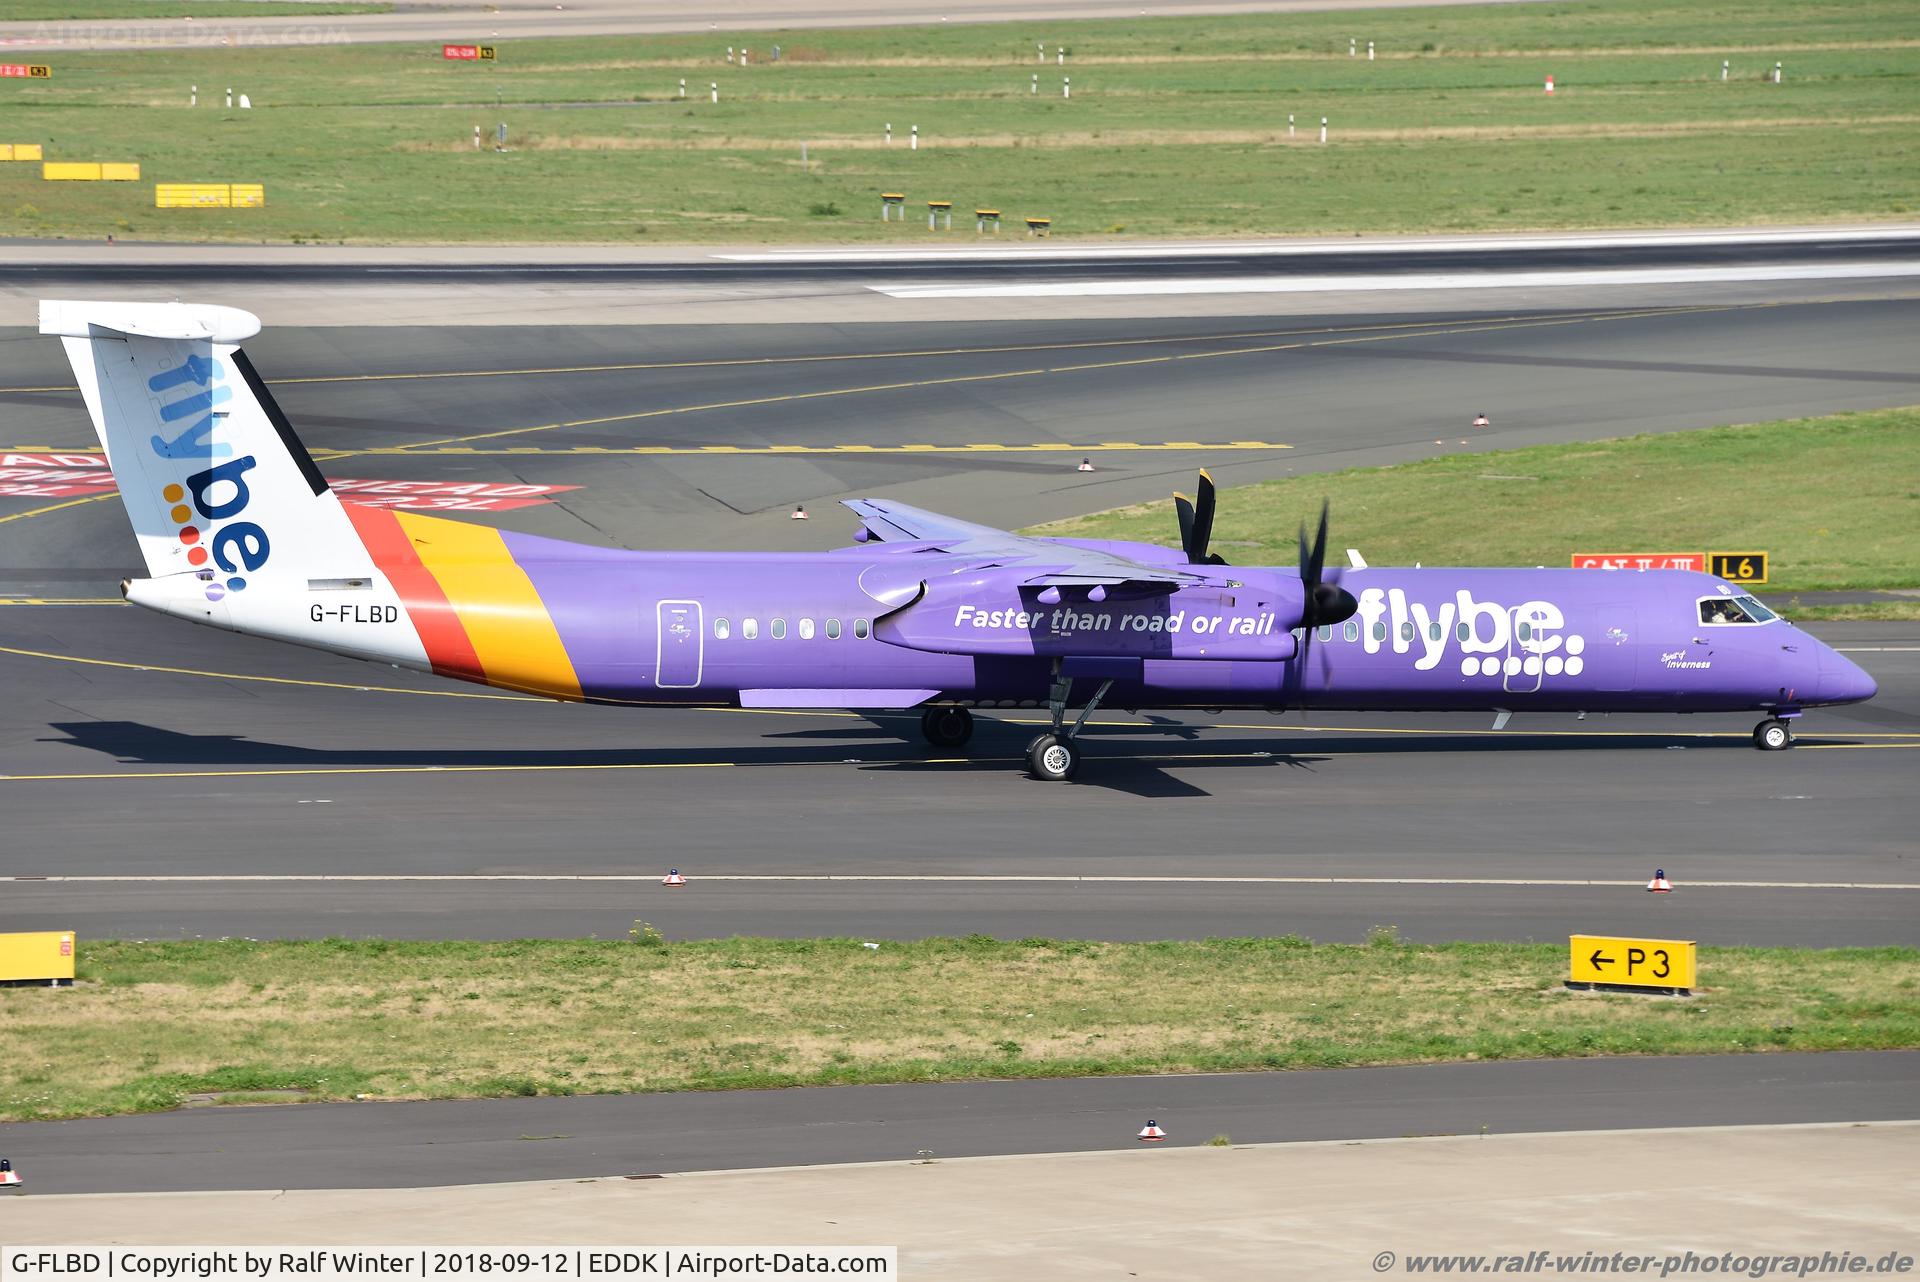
x,y
1640,561
25,71
467,53
72,476
446,496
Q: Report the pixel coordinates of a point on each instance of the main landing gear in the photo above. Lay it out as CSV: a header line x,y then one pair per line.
x,y
1054,756
946,726
1772,735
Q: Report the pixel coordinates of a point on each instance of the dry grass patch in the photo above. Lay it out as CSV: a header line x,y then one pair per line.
x,y
152,1024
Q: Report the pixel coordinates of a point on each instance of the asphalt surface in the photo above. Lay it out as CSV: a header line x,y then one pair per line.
x,y
120,772
435,23
747,268
411,1144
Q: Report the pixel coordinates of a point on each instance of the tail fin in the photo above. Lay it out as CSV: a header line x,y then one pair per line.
x,y
213,478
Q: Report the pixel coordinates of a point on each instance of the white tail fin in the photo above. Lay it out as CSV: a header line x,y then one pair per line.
x,y
214,480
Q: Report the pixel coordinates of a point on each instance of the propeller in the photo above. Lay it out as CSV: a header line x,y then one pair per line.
x,y
1325,602
1196,523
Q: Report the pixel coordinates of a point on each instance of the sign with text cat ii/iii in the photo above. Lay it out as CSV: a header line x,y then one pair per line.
x,y
467,53
1640,561
25,71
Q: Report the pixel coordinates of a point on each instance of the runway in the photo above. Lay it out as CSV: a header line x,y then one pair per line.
x,y
422,1143
138,747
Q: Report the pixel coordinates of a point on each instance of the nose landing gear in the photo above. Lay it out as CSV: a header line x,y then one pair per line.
x,y
1055,756
1772,735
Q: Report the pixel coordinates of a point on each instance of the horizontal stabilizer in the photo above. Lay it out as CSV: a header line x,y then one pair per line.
x,y
183,322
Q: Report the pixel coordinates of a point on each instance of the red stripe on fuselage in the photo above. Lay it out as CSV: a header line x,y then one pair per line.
x,y
448,647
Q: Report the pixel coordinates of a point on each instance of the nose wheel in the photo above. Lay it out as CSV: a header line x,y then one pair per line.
x,y
1053,757
1772,735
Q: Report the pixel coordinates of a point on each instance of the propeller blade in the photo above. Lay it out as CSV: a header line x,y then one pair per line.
x,y
1320,545
1183,509
1202,520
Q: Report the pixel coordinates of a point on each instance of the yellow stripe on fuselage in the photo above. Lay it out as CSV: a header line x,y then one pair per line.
x,y
511,630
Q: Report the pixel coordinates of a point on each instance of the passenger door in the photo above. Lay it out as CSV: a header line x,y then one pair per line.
x,y
680,645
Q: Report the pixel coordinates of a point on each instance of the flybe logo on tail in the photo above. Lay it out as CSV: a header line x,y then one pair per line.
x,y
205,504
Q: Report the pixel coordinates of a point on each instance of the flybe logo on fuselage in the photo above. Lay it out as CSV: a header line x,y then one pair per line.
x,y
204,504
1492,638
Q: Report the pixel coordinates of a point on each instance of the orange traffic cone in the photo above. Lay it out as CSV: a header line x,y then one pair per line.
x,y
1151,1132
9,1178
673,878
1086,465
799,513
1660,885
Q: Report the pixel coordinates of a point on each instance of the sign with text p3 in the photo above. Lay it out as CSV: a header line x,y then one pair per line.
x,y
1637,963
467,53
1696,561
25,71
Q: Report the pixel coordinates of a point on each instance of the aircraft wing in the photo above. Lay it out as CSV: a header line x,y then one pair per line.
x,y
1051,564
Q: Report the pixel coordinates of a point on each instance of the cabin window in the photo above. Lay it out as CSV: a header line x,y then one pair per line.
x,y
1526,630
749,629
1326,632
1350,630
778,629
833,629
1379,629
1433,631
806,629
1461,631
1406,631
860,629
720,629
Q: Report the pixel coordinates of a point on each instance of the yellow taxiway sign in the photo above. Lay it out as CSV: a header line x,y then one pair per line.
x,y
1634,963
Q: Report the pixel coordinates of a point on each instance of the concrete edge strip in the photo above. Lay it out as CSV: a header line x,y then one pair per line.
x,y
964,878
1461,280
1471,244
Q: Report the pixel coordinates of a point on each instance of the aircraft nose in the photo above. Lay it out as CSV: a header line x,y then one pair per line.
x,y
1842,680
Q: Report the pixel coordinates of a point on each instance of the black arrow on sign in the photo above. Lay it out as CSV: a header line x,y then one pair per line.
x,y
1597,960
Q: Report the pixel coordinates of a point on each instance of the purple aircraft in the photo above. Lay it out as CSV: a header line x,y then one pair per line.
x,y
240,531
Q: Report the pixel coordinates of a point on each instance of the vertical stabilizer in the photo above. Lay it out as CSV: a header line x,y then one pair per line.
x,y
216,484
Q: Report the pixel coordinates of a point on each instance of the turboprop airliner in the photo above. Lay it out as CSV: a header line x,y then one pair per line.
x,y
240,531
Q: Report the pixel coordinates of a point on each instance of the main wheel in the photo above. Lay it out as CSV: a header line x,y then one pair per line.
x,y
946,726
1772,735
1053,758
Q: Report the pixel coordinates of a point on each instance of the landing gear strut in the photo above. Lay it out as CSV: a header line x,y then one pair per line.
x,y
946,726
1055,756
1772,735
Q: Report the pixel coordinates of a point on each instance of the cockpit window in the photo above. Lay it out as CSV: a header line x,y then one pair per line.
x,y
1738,609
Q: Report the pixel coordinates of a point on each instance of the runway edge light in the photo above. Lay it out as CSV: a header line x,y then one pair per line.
x,y
1151,1132
1660,885
9,1178
673,878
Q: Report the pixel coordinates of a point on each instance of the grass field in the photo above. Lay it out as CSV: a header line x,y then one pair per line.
x,y
1175,126
1835,501
152,1023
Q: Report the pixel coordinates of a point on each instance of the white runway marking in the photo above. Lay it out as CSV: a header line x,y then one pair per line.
x,y
1406,281
967,878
